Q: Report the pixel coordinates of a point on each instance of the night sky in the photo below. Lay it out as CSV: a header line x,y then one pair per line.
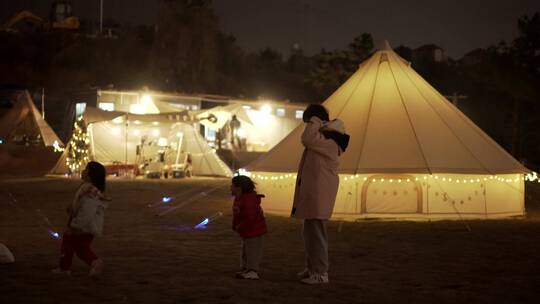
x,y
458,26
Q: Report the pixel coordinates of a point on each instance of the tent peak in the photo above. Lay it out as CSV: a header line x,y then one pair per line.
x,y
385,46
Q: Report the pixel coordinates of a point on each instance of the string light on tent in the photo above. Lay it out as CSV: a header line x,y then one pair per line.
x,y
439,179
57,147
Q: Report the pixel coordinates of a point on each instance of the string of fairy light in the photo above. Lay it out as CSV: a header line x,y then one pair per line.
x,y
531,177
77,155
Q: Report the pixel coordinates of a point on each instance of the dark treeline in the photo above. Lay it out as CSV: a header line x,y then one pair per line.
x,y
187,52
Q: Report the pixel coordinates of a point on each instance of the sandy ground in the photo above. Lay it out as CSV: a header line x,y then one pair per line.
x,y
152,259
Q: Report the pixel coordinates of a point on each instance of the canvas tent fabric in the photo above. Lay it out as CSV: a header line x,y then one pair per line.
x,y
24,118
114,141
144,105
223,115
411,154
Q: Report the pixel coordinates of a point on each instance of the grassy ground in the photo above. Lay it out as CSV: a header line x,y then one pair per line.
x,y
152,259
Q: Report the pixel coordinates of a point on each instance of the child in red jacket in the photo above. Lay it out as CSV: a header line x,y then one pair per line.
x,y
249,223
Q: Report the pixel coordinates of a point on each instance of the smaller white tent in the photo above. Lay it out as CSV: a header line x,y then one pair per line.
x,y
118,137
24,122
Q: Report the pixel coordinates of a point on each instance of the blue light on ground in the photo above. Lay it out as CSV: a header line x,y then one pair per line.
x,y
54,234
202,224
166,199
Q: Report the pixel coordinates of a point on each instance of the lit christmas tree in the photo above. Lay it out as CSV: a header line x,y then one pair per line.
x,y
77,149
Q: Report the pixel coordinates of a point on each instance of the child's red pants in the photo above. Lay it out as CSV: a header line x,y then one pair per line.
x,y
78,244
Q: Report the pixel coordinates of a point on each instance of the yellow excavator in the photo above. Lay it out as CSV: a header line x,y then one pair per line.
x,y
61,18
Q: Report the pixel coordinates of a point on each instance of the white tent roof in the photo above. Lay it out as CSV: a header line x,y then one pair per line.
x,y
24,109
398,123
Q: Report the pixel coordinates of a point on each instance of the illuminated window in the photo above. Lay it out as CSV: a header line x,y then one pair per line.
x,y
80,107
280,112
106,106
298,114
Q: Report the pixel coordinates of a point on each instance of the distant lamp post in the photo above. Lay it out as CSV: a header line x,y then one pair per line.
x,y
101,17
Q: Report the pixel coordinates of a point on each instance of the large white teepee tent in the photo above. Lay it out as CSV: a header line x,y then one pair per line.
x,y
115,137
23,120
412,154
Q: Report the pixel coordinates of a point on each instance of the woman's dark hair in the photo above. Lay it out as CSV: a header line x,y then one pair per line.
x,y
315,110
96,173
245,183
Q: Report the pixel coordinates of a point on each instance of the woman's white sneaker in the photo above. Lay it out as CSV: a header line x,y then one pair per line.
x,y
248,275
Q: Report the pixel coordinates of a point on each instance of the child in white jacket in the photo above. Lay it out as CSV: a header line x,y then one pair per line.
x,y
85,221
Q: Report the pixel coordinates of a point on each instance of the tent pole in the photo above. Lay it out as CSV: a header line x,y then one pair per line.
x,y
178,146
126,137
43,102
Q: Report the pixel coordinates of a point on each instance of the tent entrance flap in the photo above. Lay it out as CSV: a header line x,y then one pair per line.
x,y
404,196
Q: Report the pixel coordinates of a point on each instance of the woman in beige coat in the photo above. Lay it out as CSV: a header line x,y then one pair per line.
x,y
316,187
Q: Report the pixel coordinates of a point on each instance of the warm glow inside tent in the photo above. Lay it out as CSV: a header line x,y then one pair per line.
x,y
412,154
117,137
261,130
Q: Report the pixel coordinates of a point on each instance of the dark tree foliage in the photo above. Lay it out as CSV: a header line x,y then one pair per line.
x,y
187,52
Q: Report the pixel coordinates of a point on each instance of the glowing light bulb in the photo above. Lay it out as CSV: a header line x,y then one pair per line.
x,y
166,199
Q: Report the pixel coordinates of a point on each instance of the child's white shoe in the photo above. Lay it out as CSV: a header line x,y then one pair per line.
x,y
248,275
316,278
59,270
96,268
